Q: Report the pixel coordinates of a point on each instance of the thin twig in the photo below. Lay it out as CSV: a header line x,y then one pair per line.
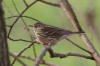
x,y
23,16
15,57
77,45
49,3
20,40
25,3
22,52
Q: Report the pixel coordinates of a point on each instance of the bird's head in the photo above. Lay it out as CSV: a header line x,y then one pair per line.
x,y
38,25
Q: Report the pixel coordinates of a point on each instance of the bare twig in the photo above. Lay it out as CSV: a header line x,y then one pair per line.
x,y
52,54
49,3
23,16
65,5
15,57
77,45
25,3
22,52
20,40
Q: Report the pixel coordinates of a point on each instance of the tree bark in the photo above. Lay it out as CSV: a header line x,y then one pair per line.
x,y
4,54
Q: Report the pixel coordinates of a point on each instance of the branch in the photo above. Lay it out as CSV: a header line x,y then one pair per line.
x,y
39,59
49,3
33,59
52,54
15,57
66,7
25,3
22,52
20,40
23,16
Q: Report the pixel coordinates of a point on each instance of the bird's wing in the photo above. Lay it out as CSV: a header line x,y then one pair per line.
x,y
53,32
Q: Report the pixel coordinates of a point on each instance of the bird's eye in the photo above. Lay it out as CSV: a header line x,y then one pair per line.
x,y
37,25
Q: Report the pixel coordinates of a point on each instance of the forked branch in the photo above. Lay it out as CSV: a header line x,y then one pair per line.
x,y
52,54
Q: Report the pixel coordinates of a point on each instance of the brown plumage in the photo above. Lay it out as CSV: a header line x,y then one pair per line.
x,y
46,34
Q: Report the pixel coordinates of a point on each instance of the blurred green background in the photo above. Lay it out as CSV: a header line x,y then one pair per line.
x,y
53,16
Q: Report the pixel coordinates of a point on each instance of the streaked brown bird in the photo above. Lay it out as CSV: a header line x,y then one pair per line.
x,y
47,34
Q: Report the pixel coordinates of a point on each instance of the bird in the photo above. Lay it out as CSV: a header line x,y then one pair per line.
x,y
48,34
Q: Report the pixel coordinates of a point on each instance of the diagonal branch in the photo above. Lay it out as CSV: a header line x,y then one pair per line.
x,y
15,57
66,7
40,58
25,3
78,46
22,52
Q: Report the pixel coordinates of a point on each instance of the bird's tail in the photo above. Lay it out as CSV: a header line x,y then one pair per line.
x,y
78,32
